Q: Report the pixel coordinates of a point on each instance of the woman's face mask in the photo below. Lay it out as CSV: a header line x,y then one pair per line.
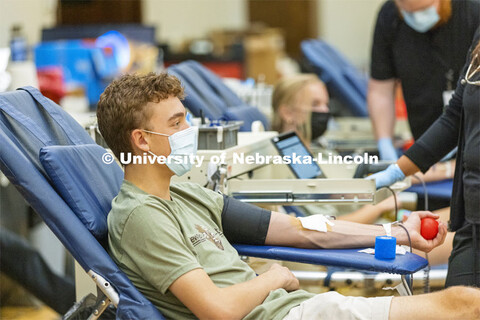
x,y
319,123
183,144
311,112
422,20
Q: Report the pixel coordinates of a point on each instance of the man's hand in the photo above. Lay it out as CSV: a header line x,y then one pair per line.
x,y
413,224
286,277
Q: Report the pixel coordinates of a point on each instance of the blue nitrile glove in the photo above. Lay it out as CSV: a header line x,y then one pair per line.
x,y
386,149
388,176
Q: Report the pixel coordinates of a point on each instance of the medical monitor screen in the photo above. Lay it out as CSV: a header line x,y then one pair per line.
x,y
302,164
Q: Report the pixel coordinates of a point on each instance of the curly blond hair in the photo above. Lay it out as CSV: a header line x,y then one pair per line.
x,y
123,106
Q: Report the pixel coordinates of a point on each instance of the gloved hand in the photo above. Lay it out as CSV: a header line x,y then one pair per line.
x,y
386,149
388,176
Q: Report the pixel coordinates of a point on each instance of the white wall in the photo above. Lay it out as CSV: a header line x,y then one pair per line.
x,y
348,25
177,20
33,15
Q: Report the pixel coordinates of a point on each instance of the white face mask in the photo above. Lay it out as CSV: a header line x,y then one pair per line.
x,y
422,21
183,144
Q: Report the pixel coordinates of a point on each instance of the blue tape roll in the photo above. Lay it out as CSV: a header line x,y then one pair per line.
x,y
385,247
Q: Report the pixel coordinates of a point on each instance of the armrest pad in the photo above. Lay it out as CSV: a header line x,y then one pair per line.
x,y
438,189
347,258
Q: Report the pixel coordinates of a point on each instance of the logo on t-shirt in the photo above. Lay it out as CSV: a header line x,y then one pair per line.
x,y
206,234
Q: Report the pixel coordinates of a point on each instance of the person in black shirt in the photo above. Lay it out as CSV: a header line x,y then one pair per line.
x,y
421,44
458,126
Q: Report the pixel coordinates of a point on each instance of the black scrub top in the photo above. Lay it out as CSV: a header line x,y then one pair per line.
x,y
458,125
471,152
428,63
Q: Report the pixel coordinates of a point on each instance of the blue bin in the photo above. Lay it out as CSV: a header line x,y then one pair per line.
x,y
83,64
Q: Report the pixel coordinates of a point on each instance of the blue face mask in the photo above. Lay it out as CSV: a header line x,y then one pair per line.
x,y
183,144
421,21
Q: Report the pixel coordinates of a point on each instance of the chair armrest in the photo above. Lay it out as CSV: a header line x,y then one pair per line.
x,y
437,189
346,258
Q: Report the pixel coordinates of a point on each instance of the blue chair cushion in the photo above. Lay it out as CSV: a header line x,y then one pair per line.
x,y
201,87
205,91
345,258
247,114
441,190
84,181
194,102
216,83
342,79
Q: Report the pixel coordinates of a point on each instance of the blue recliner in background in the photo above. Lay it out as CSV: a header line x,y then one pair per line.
x,y
343,80
195,100
206,91
216,84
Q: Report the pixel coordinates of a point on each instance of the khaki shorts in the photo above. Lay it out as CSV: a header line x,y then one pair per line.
x,y
332,305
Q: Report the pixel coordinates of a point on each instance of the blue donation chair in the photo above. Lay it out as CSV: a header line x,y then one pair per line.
x,y
441,190
72,194
207,93
342,79
65,177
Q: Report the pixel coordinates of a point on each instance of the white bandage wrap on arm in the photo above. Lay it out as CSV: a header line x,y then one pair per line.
x,y
316,222
388,229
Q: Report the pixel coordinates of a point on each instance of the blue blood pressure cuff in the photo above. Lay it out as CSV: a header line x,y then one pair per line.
x,y
243,222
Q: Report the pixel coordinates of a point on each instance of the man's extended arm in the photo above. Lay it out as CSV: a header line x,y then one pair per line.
x,y
285,230
244,223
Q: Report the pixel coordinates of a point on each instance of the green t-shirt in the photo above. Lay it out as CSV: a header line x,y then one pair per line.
x,y
155,241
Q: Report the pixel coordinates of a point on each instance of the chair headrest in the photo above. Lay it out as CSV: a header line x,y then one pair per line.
x,y
247,114
84,181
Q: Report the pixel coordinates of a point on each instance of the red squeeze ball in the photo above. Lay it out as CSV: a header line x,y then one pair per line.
x,y
429,228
